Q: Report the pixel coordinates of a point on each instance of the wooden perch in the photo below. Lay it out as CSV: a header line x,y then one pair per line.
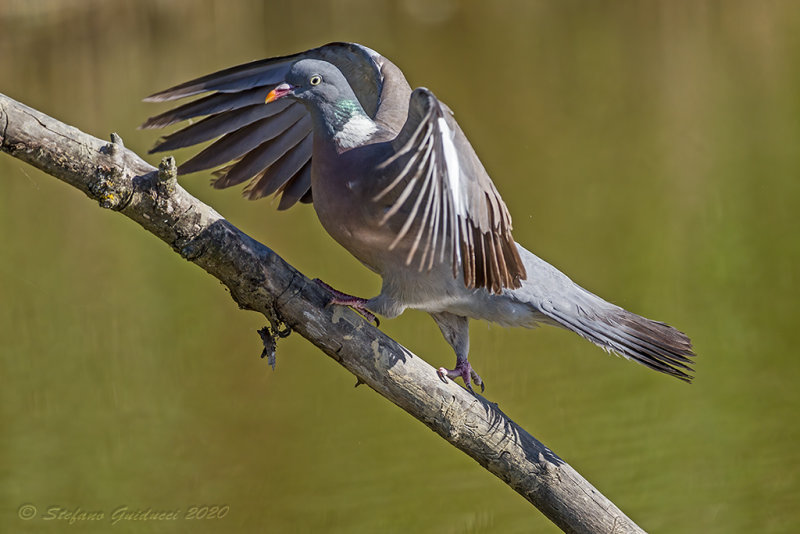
x,y
261,281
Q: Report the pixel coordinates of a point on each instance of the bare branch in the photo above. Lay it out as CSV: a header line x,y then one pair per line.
x,y
261,281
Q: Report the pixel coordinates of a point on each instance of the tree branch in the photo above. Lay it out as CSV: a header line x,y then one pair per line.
x,y
261,281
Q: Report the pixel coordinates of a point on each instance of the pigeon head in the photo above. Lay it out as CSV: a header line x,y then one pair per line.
x,y
326,93
313,81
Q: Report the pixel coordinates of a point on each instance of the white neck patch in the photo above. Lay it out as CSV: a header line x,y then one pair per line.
x,y
357,130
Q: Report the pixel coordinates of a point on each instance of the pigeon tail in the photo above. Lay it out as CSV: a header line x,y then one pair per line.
x,y
564,303
652,343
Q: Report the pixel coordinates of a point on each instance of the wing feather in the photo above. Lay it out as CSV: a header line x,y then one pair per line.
x,y
208,105
463,216
240,142
214,126
296,189
259,159
278,173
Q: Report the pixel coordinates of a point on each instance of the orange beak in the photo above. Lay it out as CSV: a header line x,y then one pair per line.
x,y
279,92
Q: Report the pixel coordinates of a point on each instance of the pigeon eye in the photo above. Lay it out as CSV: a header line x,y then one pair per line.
x,y
315,79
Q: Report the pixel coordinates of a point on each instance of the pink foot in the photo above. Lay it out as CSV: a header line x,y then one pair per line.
x,y
465,371
343,299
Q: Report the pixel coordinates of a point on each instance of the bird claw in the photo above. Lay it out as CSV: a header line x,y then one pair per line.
x,y
464,370
357,303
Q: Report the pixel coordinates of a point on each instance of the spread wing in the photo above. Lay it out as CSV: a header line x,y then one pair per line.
x,y
452,209
268,144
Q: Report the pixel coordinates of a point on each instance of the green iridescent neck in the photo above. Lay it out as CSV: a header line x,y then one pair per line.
x,y
344,110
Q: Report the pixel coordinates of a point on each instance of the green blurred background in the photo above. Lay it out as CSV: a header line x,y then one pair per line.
x,y
649,149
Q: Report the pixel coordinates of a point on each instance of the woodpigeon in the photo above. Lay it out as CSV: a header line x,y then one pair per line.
x,y
395,181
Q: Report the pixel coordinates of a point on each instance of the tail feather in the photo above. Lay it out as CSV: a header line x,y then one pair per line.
x,y
562,302
653,344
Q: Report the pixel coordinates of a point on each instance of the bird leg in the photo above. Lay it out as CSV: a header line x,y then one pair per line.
x,y
455,329
465,371
343,299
